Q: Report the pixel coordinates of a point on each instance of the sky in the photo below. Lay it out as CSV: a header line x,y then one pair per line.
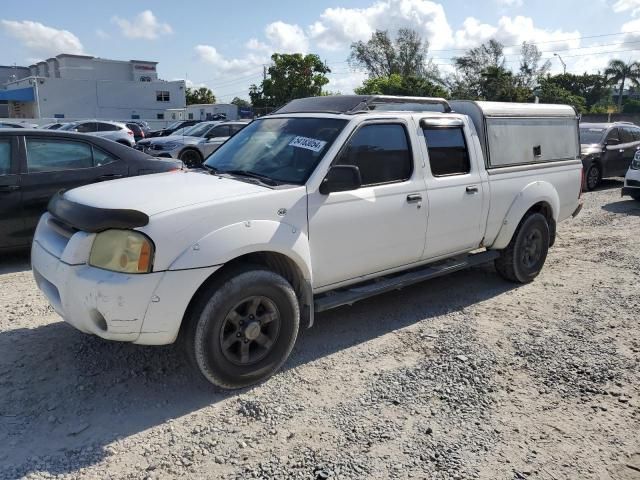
x,y
224,45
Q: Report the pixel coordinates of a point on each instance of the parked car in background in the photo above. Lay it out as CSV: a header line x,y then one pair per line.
x,y
173,127
116,131
194,145
326,202
632,179
35,164
607,150
52,126
138,133
17,125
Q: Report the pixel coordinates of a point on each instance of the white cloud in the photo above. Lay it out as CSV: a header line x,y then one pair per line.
x,y
144,25
235,66
627,5
345,83
286,38
338,27
257,45
41,39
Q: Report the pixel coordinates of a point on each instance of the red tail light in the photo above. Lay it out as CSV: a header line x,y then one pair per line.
x,y
129,132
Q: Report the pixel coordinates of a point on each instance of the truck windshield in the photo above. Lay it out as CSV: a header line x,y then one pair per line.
x,y
285,150
591,135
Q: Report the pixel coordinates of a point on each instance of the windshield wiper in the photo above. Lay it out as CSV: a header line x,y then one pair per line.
x,y
212,170
247,173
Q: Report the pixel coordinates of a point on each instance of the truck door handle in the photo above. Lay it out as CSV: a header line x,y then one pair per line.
x,y
472,189
414,198
9,188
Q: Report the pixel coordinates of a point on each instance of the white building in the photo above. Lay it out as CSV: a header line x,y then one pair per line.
x,y
202,111
80,86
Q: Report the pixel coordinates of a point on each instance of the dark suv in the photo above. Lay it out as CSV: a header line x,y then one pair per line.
x,y
607,149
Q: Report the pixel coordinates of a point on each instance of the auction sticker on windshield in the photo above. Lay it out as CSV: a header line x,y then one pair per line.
x,y
308,143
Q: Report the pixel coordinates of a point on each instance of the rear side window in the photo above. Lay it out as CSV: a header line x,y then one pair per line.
x,y
87,127
57,155
448,154
381,152
5,157
101,158
107,127
219,131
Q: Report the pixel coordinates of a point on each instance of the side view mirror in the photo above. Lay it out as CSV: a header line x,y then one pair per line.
x,y
341,178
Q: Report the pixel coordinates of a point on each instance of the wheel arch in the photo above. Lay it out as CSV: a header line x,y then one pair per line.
x,y
539,197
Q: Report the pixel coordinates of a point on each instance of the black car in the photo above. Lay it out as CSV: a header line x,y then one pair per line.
x,y
35,164
607,150
173,127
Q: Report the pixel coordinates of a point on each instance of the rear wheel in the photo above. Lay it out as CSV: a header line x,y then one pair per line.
x,y
594,176
191,158
243,328
525,255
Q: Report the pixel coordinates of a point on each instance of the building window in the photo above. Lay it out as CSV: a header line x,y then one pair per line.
x,y
162,96
191,116
160,116
135,117
145,79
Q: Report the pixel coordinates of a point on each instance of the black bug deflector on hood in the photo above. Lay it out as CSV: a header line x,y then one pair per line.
x,y
94,219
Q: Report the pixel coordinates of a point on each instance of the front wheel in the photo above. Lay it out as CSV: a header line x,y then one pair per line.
x,y
244,328
191,158
525,255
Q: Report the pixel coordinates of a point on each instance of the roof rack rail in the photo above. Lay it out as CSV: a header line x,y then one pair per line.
x,y
353,104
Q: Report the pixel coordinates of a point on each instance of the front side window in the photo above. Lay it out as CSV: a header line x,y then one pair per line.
x,y
219,131
162,96
57,155
381,152
86,127
285,150
5,157
613,138
626,136
448,153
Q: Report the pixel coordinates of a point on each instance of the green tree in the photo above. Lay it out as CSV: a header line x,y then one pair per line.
x,y
240,102
593,88
618,72
290,76
467,81
382,56
199,95
396,84
550,91
500,85
531,70
631,106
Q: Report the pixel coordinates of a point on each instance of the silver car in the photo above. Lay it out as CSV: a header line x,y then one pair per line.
x,y
116,131
194,144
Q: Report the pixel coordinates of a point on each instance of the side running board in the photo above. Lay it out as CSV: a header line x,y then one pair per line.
x,y
355,293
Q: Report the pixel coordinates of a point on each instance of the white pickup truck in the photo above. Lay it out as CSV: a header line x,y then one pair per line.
x,y
326,202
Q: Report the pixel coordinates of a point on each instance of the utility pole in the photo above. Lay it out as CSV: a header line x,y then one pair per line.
x,y
264,72
564,65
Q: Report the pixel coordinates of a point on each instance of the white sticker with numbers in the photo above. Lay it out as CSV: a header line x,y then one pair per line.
x,y
308,143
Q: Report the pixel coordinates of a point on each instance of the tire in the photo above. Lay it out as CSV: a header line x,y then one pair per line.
x,y
233,344
191,158
594,177
525,255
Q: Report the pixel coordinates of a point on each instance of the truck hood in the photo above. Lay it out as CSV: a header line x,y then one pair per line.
x,y
154,194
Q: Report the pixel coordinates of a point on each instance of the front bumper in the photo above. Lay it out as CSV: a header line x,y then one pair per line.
x,y
145,309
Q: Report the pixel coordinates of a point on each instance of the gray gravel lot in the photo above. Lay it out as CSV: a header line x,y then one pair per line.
x,y
466,376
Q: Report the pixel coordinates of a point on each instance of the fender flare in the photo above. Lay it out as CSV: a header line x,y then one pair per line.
x,y
535,192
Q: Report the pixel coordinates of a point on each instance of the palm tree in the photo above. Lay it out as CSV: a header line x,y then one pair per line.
x,y
620,72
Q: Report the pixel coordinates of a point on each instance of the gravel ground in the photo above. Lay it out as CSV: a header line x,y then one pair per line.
x,y
465,376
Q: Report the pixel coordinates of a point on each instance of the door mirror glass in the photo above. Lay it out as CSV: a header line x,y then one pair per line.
x,y
341,178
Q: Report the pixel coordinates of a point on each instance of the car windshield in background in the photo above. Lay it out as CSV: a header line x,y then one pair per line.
x,y
181,131
173,125
198,130
285,150
591,135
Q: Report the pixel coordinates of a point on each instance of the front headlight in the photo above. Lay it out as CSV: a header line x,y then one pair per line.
x,y
123,251
635,163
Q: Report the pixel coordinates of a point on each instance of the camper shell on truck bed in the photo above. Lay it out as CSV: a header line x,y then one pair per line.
x,y
523,133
